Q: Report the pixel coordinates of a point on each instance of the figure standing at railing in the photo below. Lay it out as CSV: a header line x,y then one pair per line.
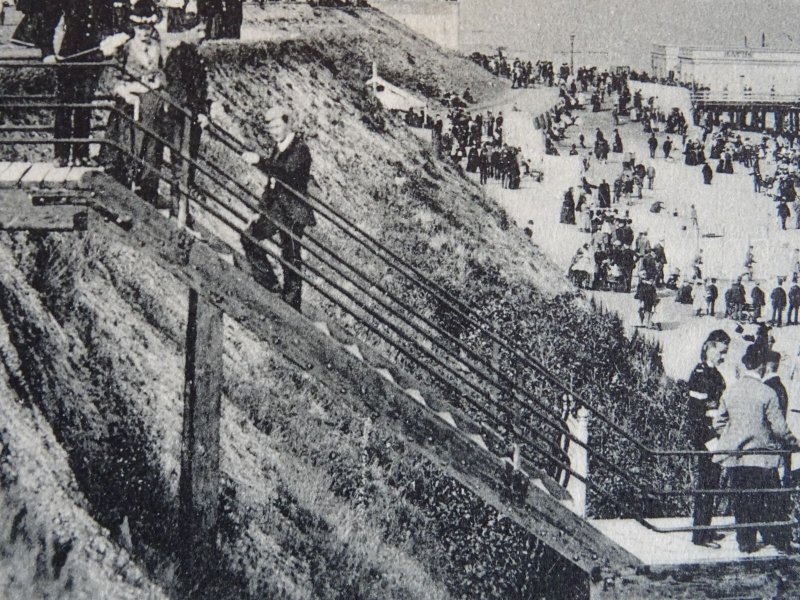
x,y
290,164
706,386
750,418
86,24
138,102
187,85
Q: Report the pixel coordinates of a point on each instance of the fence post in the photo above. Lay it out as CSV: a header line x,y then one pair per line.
x,y
578,426
200,450
184,174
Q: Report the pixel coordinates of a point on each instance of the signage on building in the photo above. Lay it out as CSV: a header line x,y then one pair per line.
x,y
738,54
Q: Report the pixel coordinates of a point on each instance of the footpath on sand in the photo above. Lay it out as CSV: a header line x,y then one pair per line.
x,y
730,215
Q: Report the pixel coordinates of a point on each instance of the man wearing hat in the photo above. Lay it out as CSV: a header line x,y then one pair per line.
x,y
706,386
283,211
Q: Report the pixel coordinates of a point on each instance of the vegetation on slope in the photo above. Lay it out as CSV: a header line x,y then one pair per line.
x,y
318,500
371,168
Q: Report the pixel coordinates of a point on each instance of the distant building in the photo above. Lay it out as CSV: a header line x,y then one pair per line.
x,y
732,71
438,20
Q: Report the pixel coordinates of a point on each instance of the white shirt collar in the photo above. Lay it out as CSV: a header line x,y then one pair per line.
x,y
285,143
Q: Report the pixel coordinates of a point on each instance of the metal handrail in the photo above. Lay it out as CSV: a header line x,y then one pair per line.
x,y
183,156
426,284
303,197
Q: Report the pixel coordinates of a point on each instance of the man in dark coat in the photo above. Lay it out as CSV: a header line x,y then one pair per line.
x,y
794,303
708,174
758,300
778,300
86,24
667,147
30,30
289,165
604,194
223,18
706,386
652,143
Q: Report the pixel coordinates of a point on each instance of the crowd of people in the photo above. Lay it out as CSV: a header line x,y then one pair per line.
x,y
724,424
161,96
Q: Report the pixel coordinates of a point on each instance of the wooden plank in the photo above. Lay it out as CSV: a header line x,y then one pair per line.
x,y
36,174
485,474
56,177
42,218
200,450
11,176
757,578
19,53
4,165
73,178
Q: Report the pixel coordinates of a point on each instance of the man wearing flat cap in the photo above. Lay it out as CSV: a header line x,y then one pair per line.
x,y
288,171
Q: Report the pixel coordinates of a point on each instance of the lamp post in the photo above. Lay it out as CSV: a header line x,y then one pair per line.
x,y
572,53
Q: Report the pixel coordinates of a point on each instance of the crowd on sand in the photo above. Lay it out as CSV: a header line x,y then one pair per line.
x,y
750,414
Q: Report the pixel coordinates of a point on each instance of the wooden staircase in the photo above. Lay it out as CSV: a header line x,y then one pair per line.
x,y
621,560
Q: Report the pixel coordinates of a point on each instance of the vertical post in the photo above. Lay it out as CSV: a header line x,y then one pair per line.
x,y
572,54
200,451
578,426
184,174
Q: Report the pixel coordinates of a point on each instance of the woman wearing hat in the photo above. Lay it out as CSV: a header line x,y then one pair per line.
x,y
138,101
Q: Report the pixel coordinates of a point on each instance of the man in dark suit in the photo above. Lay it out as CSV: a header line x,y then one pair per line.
x,y
86,24
288,167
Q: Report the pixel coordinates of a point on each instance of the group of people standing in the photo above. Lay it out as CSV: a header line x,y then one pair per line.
x,y
162,108
734,429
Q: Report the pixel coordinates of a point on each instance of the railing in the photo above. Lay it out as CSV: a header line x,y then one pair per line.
x,y
742,97
540,441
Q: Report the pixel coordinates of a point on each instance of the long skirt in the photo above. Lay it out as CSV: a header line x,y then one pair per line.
x,y
135,158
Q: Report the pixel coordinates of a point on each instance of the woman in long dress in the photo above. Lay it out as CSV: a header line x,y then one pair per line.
x,y
135,160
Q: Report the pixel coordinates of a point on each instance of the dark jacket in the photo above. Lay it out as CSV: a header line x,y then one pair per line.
x,y
757,297
186,76
794,295
86,23
292,166
778,297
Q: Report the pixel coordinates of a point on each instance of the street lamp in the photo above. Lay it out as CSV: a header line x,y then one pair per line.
x,y
572,53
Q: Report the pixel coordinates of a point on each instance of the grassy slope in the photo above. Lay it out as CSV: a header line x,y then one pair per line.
x,y
432,216
318,500
52,547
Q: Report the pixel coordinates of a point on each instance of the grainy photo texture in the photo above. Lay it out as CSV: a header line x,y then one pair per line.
x,y
399,299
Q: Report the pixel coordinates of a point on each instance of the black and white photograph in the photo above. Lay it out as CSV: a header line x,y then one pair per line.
x,y
399,300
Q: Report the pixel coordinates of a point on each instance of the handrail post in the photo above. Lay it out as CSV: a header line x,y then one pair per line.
x,y
200,449
578,426
184,173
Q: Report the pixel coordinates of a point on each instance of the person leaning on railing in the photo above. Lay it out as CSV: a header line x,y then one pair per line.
x,y
750,418
706,386
138,102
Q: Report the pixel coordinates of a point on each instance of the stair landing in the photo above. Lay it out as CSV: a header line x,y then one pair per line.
x,y
654,548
